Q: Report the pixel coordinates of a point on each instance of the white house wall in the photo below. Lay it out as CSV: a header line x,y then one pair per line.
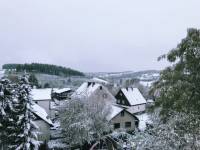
x,y
103,94
44,104
137,108
122,119
44,130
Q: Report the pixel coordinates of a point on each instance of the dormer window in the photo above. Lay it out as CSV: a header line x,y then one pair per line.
x,y
89,83
93,83
123,102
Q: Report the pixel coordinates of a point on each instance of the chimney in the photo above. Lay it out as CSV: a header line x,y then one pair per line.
x,y
93,83
89,83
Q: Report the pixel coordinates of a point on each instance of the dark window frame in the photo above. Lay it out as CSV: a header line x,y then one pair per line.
x,y
127,124
116,125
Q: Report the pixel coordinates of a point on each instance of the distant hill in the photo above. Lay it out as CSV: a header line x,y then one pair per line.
x,y
142,75
43,68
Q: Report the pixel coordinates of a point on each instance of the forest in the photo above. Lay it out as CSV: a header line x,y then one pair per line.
x,y
43,68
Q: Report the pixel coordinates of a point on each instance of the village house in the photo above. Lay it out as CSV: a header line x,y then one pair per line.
x,y
43,123
131,99
101,81
93,90
61,94
43,97
120,118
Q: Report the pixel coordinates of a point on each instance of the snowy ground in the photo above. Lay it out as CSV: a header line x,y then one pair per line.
x,y
143,120
147,83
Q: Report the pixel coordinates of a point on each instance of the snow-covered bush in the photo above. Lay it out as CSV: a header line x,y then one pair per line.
x,y
180,131
84,121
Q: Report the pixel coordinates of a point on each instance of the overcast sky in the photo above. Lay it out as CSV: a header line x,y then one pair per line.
x,y
94,35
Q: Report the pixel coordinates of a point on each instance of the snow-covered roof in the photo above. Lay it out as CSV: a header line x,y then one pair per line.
x,y
143,120
40,112
85,90
98,80
147,83
41,94
61,90
150,101
115,110
134,96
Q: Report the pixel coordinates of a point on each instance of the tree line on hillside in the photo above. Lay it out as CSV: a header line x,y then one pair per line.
x,y
43,68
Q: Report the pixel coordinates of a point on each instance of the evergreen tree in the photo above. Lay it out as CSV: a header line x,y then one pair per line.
x,y
16,127
6,106
28,138
43,68
46,85
33,80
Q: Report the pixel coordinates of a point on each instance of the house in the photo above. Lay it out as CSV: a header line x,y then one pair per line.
x,y
42,97
43,122
61,94
120,118
131,99
93,90
101,81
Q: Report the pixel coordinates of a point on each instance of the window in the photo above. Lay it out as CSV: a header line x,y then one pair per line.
x,y
127,124
123,102
122,113
100,87
118,101
137,123
116,125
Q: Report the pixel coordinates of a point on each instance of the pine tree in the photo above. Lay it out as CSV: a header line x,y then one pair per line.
x,y
6,113
33,80
28,138
16,127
